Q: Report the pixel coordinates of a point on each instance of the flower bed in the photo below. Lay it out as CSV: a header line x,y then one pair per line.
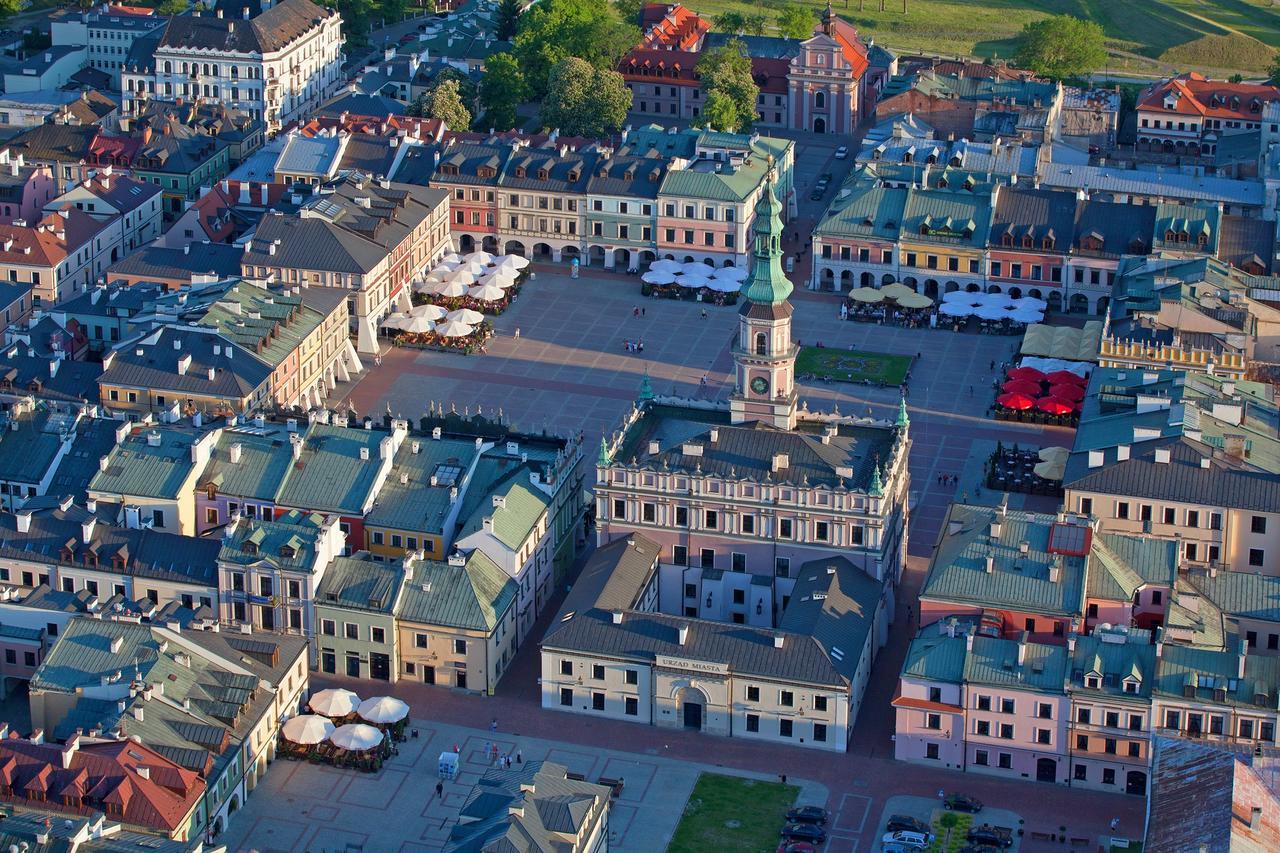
x,y
430,340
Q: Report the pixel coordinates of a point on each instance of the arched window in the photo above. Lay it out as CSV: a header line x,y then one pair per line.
x,y
762,343
819,100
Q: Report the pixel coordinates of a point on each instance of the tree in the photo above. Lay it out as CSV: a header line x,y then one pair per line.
x,y
729,91
502,89
731,22
173,7
1274,70
444,103
795,22
1062,46
467,90
629,10
755,24
508,18
392,11
585,101
554,30
356,17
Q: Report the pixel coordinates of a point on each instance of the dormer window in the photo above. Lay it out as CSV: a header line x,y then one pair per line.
x,y
1093,681
573,175
1183,237
1130,686
1170,235
249,547
942,182
287,551
542,174
1047,244
924,228
519,171
1006,239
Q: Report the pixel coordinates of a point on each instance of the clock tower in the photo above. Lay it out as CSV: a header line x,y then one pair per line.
x,y
764,355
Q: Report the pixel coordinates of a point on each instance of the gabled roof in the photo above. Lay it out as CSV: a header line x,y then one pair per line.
x,y
361,585
187,361
470,594
528,808
273,30
834,602
329,475
1196,96
522,505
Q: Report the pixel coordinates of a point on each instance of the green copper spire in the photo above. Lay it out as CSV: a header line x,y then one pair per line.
x,y
603,459
767,283
877,486
646,390
902,420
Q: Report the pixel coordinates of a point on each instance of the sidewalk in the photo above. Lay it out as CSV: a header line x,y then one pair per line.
x,y
397,808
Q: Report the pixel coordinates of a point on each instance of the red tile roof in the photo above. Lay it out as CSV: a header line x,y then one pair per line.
x,y
672,27
427,129
212,207
49,241
142,787
851,44
1198,96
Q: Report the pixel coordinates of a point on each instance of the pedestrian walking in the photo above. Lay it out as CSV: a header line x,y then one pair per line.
x,y
642,312
703,380
1115,823
493,724
439,790
377,360
517,335
519,757
704,313
635,311
993,364
486,748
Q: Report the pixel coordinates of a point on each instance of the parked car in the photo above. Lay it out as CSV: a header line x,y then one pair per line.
x,y
961,803
407,37
991,836
810,832
918,840
818,193
807,814
842,152
901,822
894,847
796,847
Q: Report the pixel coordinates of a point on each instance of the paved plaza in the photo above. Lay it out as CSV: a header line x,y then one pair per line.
x,y
313,807
569,370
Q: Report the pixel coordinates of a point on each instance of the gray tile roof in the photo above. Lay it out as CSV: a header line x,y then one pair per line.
x,y
56,536
1241,594
285,544
30,443
162,262
1212,675
361,585
994,662
334,232
1039,214
748,451
25,373
744,650
1117,656
470,594
1118,228
530,807
274,29
834,602
310,155
265,458
238,373
614,577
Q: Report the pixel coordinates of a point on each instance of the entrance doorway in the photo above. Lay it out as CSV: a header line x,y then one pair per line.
x,y
380,666
1136,783
692,715
428,675
1046,770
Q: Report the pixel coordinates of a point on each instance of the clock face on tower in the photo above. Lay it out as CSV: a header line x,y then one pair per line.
x,y
760,385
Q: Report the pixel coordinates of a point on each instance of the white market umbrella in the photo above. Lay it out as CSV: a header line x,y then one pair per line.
x,y
692,281
961,297
500,277
666,265
454,329
431,312
730,273
444,268
395,321
515,261
356,737
481,258
462,275
990,312
383,709
1026,315
425,286
697,268
418,325
452,288
474,267
955,309
996,300
451,258
1030,302
658,277
465,315
307,729
487,293
334,702
724,285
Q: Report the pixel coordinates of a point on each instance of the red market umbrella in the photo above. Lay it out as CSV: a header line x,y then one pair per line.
x,y
1066,377
1015,401
1055,406
1072,393
1022,386
1028,373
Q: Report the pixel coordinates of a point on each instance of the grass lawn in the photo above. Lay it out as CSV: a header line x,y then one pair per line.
x,y
955,822
728,813
1139,32
851,366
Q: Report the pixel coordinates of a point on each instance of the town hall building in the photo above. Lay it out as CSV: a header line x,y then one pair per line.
x,y
748,555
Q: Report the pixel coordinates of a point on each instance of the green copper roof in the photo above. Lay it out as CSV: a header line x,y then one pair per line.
x,y
902,420
767,283
877,485
646,388
603,458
